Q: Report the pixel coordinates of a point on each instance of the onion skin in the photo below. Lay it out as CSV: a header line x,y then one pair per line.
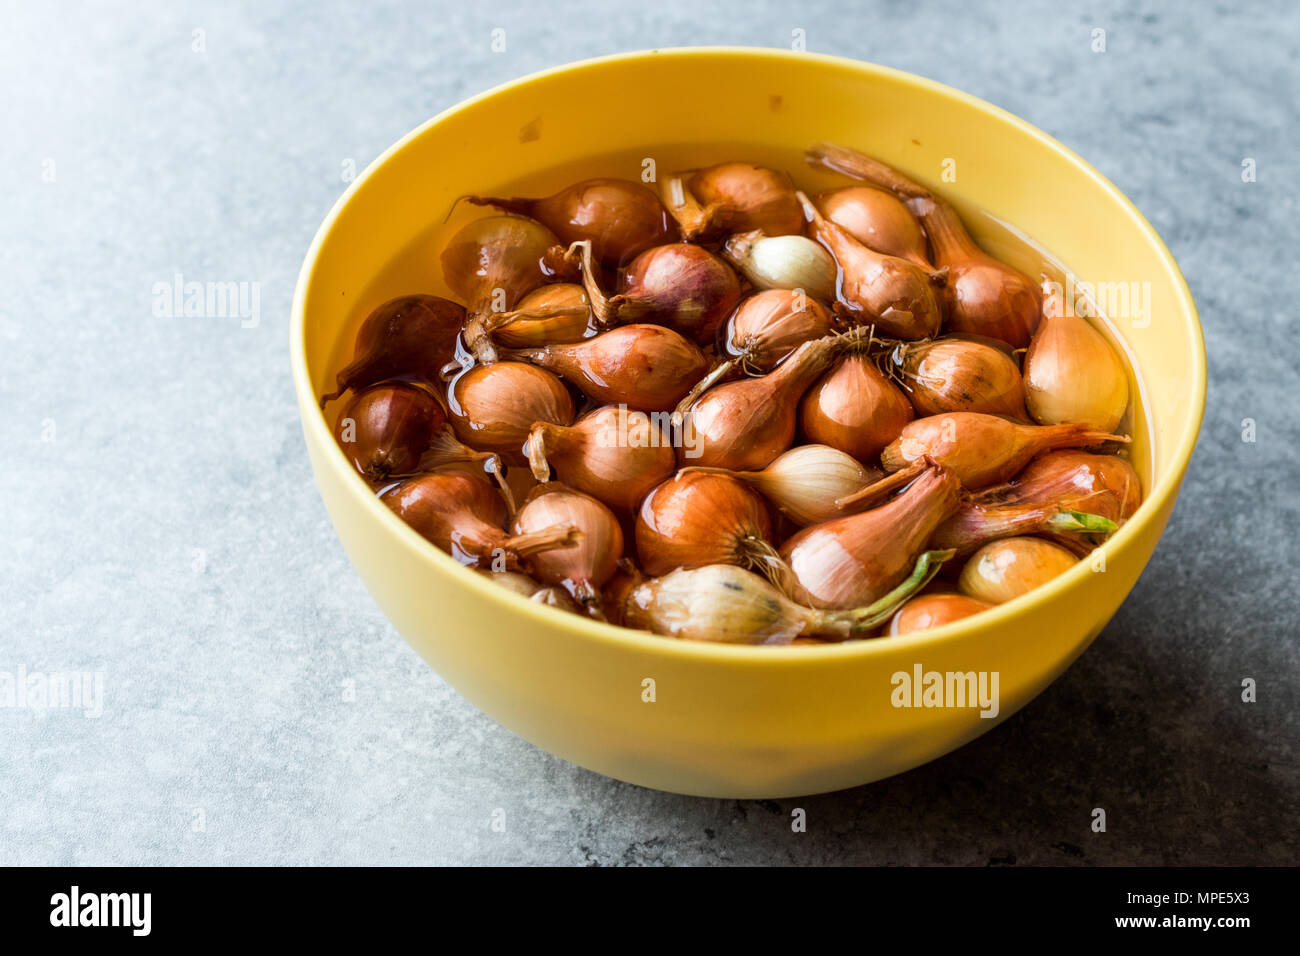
x,y
898,297
1073,375
549,314
957,375
465,516
983,450
682,286
770,325
813,483
743,426
983,295
783,262
492,263
929,611
1006,569
877,220
849,562
584,568
1106,485
737,197
646,367
976,524
619,217
724,604
694,519
412,336
613,454
385,429
495,406
854,408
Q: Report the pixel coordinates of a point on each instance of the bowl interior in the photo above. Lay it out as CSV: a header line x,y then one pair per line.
x,y
646,115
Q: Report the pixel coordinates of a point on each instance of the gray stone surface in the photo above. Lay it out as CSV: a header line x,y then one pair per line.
x,y
159,524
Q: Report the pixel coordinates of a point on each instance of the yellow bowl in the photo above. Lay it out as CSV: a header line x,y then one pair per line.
x,y
726,721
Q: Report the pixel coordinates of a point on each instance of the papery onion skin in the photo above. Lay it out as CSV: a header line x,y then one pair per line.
x,y
741,197
807,482
1073,375
878,220
1005,569
725,604
412,336
695,519
956,375
783,262
385,429
983,449
495,406
769,325
975,523
744,425
492,263
550,314
646,367
898,297
853,561
1100,484
620,218
614,454
682,286
465,516
584,568
929,611
854,408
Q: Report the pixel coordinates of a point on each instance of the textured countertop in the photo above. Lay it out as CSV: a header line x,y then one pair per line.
x,y
161,531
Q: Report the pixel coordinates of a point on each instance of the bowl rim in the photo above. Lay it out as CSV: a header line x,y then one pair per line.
x,y
1166,486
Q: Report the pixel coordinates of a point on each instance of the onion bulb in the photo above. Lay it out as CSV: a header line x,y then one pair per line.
x,y
645,367
463,515
1073,375
682,286
928,611
552,313
612,453
877,220
761,333
724,604
694,519
413,336
1102,484
1006,569
491,263
812,483
783,262
495,406
983,450
386,428
897,296
854,408
583,569
848,562
618,217
743,425
958,375
733,197
982,295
